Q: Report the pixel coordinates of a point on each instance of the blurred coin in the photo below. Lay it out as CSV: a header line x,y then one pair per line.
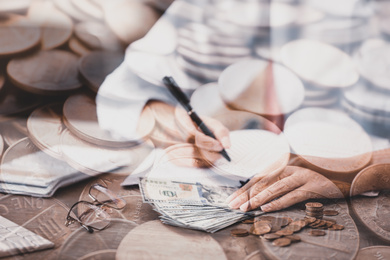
x,y
97,36
78,47
368,99
294,238
81,118
45,128
25,164
340,31
380,156
95,66
212,49
336,227
260,87
158,241
67,7
78,245
207,101
17,34
260,228
314,205
281,242
329,141
129,20
330,213
316,233
373,178
271,236
198,71
56,73
209,59
373,253
20,124
56,26
204,34
284,232
319,63
14,101
89,8
373,212
269,52
255,14
373,61
10,134
92,159
239,232
350,8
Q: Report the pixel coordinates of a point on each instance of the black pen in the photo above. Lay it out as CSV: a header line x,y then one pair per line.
x,y
185,102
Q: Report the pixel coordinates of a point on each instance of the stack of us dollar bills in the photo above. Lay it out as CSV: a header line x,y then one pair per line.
x,y
192,205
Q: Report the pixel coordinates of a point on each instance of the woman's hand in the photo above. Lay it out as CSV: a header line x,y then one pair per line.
x,y
280,190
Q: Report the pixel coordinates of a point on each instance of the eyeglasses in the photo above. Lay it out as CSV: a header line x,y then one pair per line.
x,y
95,215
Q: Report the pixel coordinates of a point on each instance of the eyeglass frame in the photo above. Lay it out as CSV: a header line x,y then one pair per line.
x,y
70,220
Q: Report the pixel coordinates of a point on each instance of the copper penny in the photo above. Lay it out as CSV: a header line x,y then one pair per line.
x,y
294,238
336,227
78,47
317,233
310,220
248,221
373,178
330,213
271,236
95,66
314,205
51,72
260,228
17,35
239,232
282,242
284,232
294,228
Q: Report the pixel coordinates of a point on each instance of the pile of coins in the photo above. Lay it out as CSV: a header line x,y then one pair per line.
x,y
314,209
281,230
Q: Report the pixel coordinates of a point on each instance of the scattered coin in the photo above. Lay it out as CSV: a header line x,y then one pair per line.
x,y
271,236
336,227
284,232
330,213
56,74
260,228
317,233
248,221
281,242
17,35
78,47
294,238
239,232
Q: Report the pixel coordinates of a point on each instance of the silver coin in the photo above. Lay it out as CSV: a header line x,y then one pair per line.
x,y
368,99
10,134
373,62
199,71
310,60
329,140
261,87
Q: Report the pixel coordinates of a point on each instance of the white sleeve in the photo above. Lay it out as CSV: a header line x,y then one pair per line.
x,y
121,99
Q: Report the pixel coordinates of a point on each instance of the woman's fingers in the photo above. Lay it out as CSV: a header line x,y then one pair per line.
x,y
275,190
286,201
